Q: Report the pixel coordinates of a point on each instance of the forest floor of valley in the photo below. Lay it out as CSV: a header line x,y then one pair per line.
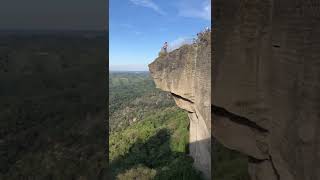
x,y
149,135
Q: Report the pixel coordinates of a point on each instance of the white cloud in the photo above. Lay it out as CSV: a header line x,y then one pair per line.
x,y
194,9
178,43
149,4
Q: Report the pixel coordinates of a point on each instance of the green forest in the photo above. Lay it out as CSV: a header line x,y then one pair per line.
x,y
52,107
148,135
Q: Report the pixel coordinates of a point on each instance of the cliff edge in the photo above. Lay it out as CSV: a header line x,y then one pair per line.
x,y
186,74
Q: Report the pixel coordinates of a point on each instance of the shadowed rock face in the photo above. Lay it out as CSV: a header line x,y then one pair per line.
x,y
185,73
266,74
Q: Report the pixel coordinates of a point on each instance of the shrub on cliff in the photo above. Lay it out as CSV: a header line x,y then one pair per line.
x,y
161,54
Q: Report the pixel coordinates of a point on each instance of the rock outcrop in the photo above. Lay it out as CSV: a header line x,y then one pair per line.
x,y
266,85
185,73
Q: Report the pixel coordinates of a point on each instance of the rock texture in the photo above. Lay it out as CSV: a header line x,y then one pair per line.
x,y
185,73
266,85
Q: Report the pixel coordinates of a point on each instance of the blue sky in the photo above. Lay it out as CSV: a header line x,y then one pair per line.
x,y
138,28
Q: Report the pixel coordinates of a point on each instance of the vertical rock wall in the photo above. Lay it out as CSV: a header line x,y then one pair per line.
x,y
266,85
185,73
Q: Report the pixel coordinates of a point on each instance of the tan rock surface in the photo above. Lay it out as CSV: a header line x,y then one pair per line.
x,y
266,70
185,73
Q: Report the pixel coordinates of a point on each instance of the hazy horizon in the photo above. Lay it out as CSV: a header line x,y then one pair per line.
x,y
128,67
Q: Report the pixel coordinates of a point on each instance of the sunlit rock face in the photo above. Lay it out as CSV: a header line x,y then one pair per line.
x,y
266,84
186,74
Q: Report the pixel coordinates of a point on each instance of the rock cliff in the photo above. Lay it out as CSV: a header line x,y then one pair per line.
x,y
266,84
185,73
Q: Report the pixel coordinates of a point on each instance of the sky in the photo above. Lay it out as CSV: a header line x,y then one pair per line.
x,y
138,29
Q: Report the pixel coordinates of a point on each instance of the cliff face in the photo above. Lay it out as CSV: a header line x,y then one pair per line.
x,y
185,73
266,86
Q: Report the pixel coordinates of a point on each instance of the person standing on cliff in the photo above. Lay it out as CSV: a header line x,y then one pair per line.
x,y
165,47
